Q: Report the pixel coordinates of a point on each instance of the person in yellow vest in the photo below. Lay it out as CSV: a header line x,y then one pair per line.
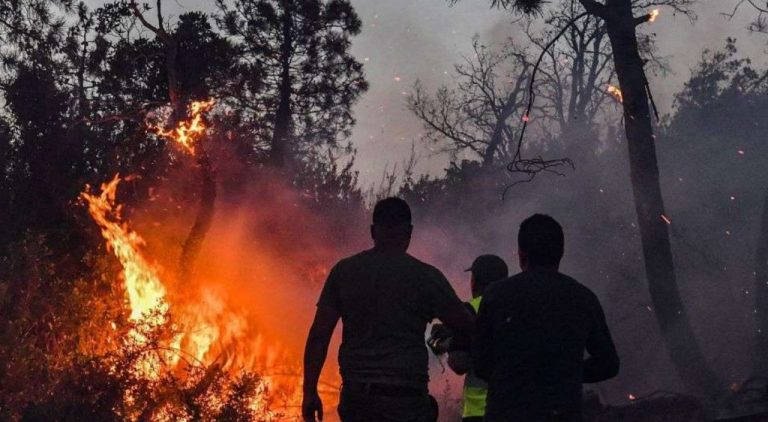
x,y
484,270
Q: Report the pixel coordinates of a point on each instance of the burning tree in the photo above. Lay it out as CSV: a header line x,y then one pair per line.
x,y
621,23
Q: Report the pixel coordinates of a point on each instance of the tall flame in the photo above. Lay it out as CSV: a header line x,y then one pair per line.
x,y
188,132
146,294
616,92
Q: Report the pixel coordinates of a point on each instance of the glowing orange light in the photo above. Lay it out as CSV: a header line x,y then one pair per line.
x,y
188,132
616,92
653,15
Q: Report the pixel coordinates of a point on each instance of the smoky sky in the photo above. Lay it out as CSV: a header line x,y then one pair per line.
x,y
408,40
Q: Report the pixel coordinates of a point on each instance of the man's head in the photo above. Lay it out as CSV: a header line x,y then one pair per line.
x,y
485,270
540,243
391,228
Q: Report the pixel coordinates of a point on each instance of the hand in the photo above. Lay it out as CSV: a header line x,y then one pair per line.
x,y
440,332
311,405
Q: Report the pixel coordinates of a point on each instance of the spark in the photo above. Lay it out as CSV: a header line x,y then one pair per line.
x,y
741,152
666,219
631,397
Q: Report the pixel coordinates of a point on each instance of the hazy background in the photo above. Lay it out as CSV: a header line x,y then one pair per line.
x,y
406,40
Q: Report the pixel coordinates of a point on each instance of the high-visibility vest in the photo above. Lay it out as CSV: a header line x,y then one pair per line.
x,y
475,389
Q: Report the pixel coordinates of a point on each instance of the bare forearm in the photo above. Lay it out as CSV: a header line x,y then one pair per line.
x,y
314,358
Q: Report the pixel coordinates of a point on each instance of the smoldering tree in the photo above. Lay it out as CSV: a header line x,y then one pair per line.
x,y
621,26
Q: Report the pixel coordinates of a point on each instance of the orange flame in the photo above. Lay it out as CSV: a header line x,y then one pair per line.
x,y
209,327
616,92
653,15
188,132
146,293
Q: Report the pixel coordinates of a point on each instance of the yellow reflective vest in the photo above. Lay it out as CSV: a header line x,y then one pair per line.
x,y
475,389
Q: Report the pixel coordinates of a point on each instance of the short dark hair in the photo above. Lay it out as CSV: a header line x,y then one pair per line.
x,y
391,211
541,238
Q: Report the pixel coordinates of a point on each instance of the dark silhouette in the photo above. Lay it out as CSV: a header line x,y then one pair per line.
x,y
385,299
532,331
485,270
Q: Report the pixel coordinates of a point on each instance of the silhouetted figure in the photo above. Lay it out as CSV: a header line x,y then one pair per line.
x,y
485,270
385,298
532,331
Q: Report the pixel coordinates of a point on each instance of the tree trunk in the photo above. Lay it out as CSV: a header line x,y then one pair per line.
x,y
761,297
281,135
193,243
676,329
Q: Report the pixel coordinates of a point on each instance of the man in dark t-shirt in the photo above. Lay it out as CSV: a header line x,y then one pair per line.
x,y
385,298
532,332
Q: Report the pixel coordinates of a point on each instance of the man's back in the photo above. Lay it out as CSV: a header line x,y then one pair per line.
x,y
385,301
533,329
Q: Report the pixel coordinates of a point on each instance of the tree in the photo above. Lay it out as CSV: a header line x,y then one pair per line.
x,y
712,133
297,75
620,24
480,115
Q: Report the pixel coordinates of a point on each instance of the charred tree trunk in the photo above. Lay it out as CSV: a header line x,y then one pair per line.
x,y
761,296
281,135
192,245
675,326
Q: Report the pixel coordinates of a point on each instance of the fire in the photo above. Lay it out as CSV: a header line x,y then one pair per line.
x,y
207,327
146,294
616,92
188,132
653,15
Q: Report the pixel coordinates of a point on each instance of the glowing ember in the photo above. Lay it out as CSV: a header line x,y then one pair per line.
x,y
653,15
631,397
616,92
666,219
188,132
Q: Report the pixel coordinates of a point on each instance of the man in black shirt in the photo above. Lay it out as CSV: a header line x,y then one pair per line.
x,y
385,298
532,331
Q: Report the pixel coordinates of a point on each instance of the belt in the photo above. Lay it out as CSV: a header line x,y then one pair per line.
x,y
389,390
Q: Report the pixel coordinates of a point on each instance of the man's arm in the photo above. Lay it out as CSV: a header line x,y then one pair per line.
x,y
446,306
315,353
603,361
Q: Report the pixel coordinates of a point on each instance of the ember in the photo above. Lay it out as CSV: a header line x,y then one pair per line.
x,y
616,92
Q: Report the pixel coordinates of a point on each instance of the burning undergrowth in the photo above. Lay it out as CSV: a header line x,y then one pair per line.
x,y
221,340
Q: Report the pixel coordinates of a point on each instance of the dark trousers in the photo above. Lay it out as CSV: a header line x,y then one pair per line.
x,y
363,403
